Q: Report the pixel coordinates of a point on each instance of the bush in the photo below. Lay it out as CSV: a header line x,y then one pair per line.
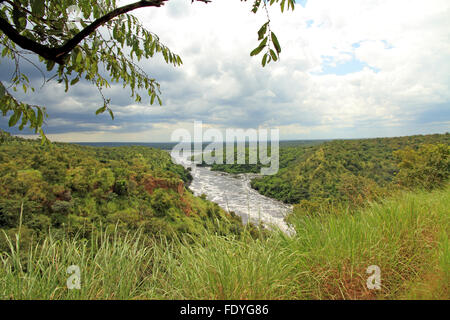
x,y
428,167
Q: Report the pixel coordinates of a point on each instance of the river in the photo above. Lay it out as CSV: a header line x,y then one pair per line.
x,y
234,193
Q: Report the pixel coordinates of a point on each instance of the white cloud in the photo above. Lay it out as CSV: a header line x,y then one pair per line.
x,y
219,83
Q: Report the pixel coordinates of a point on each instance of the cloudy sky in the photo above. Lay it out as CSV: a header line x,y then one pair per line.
x,y
348,69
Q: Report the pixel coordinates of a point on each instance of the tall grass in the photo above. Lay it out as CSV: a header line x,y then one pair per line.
x,y
407,237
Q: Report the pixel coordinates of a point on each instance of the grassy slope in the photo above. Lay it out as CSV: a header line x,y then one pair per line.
x,y
407,237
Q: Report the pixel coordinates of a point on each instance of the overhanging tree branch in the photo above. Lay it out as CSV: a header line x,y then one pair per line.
x,y
40,27
72,43
26,43
57,54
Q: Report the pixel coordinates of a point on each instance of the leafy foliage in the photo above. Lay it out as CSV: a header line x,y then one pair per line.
x,y
269,43
80,188
428,167
286,156
324,174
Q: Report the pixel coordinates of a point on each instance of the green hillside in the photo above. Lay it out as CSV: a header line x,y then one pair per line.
x,y
335,170
126,210
78,189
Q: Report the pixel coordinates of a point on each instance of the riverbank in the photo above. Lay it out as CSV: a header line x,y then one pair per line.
x,y
233,193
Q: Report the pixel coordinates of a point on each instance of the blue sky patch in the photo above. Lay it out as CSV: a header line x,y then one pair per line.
x,y
341,69
301,2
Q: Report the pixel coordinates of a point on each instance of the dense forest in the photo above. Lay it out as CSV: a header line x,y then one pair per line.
x,y
126,210
80,188
335,169
243,151
349,173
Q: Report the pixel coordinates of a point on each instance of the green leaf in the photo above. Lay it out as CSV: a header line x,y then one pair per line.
x,y
152,100
292,3
24,122
258,49
100,110
50,65
40,117
262,31
44,139
5,51
264,60
275,42
31,115
273,55
74,81
37,7
2,90
111,113
79,57
14,118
